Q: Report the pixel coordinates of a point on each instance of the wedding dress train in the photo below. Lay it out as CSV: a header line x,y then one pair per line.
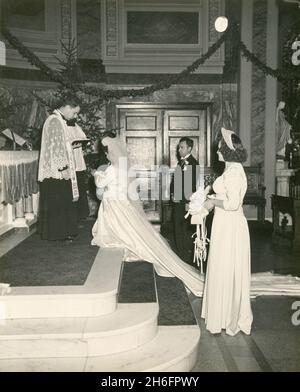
x,y
122,223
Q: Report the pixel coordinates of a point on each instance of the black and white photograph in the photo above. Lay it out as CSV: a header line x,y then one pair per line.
x,y
149,188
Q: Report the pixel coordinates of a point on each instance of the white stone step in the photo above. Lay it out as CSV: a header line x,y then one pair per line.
x,y
129,327
172,349
98,296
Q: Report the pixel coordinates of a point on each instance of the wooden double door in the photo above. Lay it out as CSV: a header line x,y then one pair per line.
x,y
152,133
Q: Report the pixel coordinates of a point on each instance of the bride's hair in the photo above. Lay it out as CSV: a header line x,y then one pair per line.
x,y
110,133
239,154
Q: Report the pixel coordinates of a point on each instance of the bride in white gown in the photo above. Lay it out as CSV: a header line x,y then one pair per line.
x,y
122,222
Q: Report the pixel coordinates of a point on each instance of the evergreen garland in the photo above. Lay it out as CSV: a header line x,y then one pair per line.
x,y
102,94
70,78
280,74
290,74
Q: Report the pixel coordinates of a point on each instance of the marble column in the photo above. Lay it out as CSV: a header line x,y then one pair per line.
x,y
258,94
246,77
271,103
2,44
68,21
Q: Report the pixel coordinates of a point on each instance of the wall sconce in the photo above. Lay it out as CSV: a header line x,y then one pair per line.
x,y
221,24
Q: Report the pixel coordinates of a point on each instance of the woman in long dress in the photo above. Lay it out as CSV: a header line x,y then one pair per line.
x,y
122,222
226,300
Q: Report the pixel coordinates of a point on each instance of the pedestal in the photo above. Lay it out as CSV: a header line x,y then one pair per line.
x,y
283,176
283,181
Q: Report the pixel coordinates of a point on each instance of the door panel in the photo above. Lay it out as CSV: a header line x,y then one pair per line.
x,y
152,136
141,123
142,151
183,123
190,123
142,130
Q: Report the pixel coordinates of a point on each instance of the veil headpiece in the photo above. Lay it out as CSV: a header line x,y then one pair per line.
x,y
227,134
118,157
116,149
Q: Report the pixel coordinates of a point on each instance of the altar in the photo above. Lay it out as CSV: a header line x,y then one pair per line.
x,y
18,189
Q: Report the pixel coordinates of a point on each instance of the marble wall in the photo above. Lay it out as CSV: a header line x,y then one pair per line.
x,y
222,97
89,29
258,84
261,36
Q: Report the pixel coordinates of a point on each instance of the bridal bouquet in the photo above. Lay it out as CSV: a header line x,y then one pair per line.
x,y
199,214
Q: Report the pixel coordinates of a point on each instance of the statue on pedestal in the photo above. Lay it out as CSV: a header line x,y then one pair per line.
x,y
283,132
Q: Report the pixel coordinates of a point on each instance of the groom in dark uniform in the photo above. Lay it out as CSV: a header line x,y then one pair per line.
x,y
183,184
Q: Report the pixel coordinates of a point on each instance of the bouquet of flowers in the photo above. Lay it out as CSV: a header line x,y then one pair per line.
x,y
199,213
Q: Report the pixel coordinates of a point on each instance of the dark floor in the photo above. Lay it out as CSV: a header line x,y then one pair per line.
x,y
274,344
36,262
267,256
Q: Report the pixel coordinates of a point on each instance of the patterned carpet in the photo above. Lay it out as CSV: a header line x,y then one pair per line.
x,y
36,262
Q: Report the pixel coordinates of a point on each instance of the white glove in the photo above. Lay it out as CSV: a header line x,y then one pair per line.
x,y
203,212
207,190
194,210
99,193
